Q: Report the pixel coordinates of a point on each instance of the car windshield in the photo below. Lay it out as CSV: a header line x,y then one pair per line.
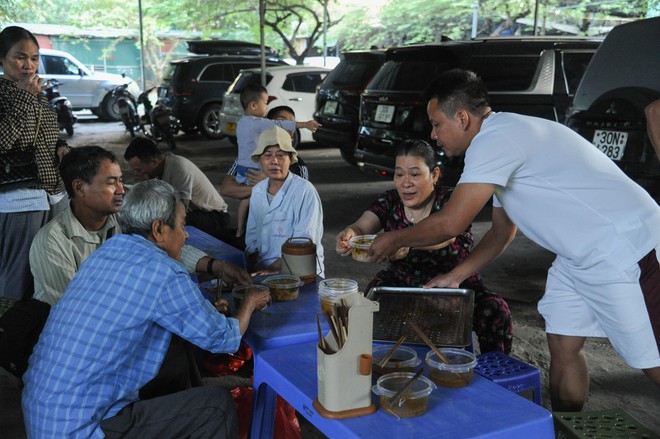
x,y
412,76
353,74
245,78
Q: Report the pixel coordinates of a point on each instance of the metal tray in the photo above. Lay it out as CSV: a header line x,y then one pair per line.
x,y
444,314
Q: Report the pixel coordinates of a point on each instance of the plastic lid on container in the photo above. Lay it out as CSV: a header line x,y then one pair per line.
x,y
389,384
337,286
460,360
403,357
282,281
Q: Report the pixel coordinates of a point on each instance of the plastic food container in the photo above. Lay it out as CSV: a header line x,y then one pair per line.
x,y
238,292
283,287
360,247
329,289
412,402
404,359
456,374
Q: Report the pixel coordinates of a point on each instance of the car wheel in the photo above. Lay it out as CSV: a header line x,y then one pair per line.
x,y
210,121
110,109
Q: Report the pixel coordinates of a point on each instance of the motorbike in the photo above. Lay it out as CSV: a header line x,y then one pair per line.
x,y
127,108
162,125
62,107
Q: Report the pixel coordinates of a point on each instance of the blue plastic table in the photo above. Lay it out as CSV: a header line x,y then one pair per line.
x,y
482,409
285,323
212,246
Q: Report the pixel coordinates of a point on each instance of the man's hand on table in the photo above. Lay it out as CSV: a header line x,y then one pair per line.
x,y
222,305
232,275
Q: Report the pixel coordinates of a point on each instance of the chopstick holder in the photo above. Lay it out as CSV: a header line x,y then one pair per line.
x,y
344,369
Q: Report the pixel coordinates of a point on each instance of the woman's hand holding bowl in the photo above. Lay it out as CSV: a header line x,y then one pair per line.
x,y
343,247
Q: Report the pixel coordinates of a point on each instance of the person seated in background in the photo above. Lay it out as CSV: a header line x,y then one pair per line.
x,y
231,188
205,208
416,196
652,112
282,206
108,335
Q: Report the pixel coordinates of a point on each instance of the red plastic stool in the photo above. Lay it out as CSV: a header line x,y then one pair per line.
x,y
510,373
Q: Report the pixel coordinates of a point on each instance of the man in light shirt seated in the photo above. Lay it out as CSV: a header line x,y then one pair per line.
x,y
205,208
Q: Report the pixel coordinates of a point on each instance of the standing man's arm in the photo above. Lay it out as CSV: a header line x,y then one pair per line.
x,y
653,125
465,203
493,243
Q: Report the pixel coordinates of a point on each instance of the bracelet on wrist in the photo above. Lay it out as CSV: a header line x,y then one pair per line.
x,y
209,266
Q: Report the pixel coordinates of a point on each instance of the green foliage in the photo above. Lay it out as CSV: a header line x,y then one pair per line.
x,y
398,22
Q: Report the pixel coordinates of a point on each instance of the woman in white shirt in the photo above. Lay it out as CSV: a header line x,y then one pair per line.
x,y
282,206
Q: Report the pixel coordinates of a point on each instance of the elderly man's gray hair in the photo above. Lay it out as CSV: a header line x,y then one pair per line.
x,y
146,202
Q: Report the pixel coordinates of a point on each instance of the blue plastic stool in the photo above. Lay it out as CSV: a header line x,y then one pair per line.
x,y
510,373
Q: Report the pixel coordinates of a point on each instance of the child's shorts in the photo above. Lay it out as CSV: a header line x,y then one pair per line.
x,y
241,174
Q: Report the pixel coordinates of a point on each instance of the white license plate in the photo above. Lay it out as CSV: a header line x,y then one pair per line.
x,y
230,128
611,143
330,107
384,113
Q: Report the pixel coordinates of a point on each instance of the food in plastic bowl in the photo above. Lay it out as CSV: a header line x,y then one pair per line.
x,y
412,402
283,287
360,247
331,289
457,373
404,359
238,292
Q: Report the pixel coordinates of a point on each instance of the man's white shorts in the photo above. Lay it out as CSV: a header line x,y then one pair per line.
x,y
624,307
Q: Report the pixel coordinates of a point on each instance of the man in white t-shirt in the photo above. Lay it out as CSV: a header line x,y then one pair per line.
x,y
205,208
569,198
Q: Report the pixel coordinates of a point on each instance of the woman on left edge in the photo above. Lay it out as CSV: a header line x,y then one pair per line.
x,y
26,123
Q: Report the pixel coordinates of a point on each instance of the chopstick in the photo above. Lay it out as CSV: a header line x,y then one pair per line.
x,y
398,394
389,353
322,344
333,328
218,290
428,341
434,348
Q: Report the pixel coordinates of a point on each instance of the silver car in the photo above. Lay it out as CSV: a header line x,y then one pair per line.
x,y
84,88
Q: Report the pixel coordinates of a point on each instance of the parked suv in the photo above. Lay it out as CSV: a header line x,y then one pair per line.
x,y
338,100
195,86
83,88
608,110
293,86
534,76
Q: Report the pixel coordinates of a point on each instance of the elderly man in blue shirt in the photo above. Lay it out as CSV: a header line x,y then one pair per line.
x,y
282,206
108,335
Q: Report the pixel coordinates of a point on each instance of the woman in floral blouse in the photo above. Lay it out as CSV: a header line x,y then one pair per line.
x,y
416,196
